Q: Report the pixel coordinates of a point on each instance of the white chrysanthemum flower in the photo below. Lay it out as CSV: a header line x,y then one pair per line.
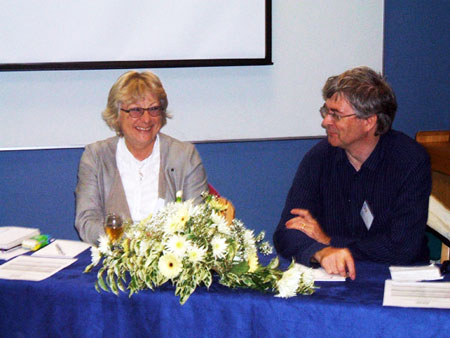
x,y
177,221
95,255
288,284
253,262
221,224
249,239
103,245
307,274
177,245
169,266
219,246
196,253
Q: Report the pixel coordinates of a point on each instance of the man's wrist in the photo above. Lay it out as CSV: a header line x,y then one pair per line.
x,y
319,255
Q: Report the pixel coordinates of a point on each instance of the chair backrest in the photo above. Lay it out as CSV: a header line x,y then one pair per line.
x,y
437,144
230,212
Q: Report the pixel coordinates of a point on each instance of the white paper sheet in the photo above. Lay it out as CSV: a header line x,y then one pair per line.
x,y
320,275
11,253
417,294
33,268
415,273
62,248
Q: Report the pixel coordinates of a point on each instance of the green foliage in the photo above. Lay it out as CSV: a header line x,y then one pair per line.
x,y
186,244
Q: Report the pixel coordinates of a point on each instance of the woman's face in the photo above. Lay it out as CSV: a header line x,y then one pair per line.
x,y
140,132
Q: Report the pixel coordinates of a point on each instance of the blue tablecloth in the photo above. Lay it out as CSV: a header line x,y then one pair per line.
x,y
67,305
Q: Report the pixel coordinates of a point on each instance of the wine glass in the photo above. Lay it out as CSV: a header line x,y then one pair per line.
x,y
114,227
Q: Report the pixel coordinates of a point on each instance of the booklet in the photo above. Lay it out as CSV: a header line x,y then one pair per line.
x,y
415,273
11,236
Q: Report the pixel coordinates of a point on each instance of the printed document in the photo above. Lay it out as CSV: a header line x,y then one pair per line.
x,y
33,268
417,294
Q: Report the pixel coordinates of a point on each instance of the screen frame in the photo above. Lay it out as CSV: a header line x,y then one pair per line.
x,y
98,65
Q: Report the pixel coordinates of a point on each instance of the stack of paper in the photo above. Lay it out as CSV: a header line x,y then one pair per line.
x,y
415,273
13,236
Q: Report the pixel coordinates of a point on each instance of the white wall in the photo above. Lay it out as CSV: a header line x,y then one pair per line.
x,y
312,39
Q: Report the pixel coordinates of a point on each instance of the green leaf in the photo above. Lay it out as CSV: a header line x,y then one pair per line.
x,y
88,268
240,269
102,284
120,285
274,263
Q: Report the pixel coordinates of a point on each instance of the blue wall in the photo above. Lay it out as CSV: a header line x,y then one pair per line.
x,y
37,186
417,62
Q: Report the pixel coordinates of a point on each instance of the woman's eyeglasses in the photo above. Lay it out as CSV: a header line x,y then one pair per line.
x,y
138,111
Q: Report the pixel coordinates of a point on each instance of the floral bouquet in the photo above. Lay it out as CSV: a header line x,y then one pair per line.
x,y
186,244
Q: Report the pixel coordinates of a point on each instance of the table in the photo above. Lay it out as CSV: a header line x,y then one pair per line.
x,y
67,305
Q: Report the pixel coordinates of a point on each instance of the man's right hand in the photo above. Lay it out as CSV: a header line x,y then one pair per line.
x,y
337,261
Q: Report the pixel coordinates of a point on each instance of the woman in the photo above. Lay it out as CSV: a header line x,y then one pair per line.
x,y
136,172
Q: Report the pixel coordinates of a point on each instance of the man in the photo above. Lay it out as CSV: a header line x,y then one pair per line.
x,y
361,194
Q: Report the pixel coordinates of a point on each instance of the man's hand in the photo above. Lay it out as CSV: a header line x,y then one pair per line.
x,y
337,261
308,225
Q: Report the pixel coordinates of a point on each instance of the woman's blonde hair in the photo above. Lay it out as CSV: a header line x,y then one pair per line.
x,y
131,87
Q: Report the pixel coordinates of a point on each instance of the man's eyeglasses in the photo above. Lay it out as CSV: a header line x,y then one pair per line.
x,y
138,111
324,112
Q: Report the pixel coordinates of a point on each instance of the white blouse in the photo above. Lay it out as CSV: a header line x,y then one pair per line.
x,y
140,180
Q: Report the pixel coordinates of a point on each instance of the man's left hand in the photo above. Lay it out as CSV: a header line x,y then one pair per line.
x,y
308,225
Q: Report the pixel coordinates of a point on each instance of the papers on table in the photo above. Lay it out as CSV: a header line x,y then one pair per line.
x,y
12,236
417,294
415,273
406,289
41,264
33,268
13,252
320,275
62,248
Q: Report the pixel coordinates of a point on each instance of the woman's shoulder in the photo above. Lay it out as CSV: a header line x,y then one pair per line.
x,y
174,144
103,145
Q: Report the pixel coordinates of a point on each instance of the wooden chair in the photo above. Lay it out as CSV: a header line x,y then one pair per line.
x,y
230,211
437,143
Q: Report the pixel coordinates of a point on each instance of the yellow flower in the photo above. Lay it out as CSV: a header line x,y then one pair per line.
x,y
177,221
177,245
196,254
253,262
169,266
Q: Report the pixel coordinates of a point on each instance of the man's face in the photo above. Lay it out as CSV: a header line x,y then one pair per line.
x,y
349,131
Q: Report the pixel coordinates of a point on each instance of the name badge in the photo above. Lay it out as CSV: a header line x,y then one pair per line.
x,y
366,215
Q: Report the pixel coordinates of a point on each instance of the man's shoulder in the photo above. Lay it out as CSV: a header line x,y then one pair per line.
x,y
403,148
323,149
